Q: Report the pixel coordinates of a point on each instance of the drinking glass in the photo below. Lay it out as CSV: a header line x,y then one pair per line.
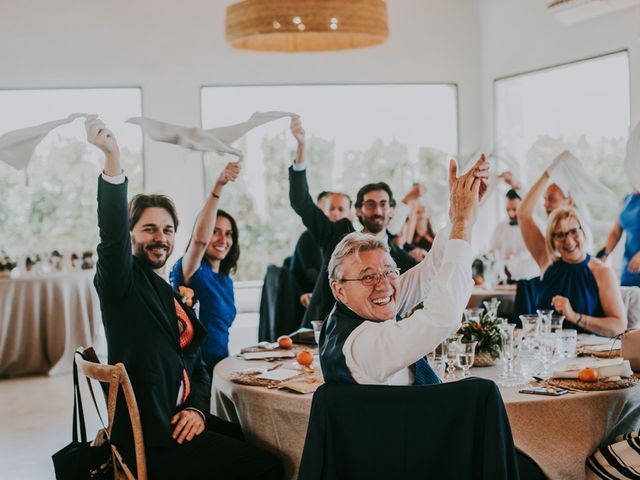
x,y
510,350
566,341
507,332
492,305
530,325
466,356
545,317
436,359
317,328
451,347
556,323
473,314
547,347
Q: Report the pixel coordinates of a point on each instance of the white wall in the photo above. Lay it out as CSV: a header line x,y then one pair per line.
x,y
172,48
520,35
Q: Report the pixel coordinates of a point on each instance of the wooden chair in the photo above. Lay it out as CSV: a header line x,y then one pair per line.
x,y
116,377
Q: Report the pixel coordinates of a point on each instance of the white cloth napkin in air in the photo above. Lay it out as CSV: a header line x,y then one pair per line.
x,y
606,367
17,146
217,140
570,175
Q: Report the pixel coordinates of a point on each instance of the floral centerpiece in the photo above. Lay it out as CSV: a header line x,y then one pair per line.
x,y
6,264
487,333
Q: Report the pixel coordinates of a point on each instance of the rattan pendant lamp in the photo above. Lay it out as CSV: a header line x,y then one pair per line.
x,y
306,25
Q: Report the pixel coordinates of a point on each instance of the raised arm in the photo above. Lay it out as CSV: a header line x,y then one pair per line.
x,y
113,269
612,240
403,210
206,222
321,228
531,234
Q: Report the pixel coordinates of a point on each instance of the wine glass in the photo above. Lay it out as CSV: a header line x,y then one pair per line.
x,y
451,346
473,314
510,350
545,318
466,356
492,306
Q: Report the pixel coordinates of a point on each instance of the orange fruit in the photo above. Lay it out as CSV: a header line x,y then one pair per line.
x,y
479,280
588,375
304,358
285,342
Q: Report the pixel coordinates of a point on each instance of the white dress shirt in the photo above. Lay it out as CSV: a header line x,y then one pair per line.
x,y
381,352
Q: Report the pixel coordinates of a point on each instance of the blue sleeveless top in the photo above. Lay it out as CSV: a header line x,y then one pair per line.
x,y
338,326
574,281
214,291
630,223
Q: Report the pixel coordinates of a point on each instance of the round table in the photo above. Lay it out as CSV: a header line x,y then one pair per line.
x,y
558,433
43,319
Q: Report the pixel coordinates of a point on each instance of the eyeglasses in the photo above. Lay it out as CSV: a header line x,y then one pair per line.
x,y
372,204
560,236
372,279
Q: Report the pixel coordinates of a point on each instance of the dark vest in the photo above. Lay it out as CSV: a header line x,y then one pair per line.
x,y
340,323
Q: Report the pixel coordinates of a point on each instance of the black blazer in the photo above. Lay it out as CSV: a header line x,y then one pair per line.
x,y
327,235
458,430
141,326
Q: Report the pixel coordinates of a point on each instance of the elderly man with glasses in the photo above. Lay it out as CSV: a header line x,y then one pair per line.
x,y
362,340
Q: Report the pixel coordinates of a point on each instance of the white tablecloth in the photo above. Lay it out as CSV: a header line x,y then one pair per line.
x,y
557,432
43,319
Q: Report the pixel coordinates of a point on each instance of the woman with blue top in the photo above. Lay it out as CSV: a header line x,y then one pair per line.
x,y
575,284
629,222
211,256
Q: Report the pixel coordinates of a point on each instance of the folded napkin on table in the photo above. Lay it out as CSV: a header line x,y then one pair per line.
x,y
605,367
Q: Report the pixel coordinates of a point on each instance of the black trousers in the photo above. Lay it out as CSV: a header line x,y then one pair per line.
x,y
219,452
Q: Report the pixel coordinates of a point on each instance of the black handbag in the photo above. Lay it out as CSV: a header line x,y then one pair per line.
x,y
80,460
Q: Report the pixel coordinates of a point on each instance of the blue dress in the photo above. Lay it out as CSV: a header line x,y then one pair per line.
x,y
214,291
630,223
574,281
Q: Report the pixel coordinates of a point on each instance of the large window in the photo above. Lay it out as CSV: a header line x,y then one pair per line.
x,y
583,107
356,134
52,204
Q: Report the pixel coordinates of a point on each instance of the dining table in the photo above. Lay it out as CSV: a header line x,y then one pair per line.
x,y
506,294
558,433
44,317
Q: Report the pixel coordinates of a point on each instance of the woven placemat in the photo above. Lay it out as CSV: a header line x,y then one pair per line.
x,y
606,354
576,384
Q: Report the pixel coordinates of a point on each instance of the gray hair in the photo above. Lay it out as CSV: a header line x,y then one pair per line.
x,y
354,243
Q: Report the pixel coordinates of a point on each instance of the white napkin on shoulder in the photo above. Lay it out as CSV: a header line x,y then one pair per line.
x,y
609,367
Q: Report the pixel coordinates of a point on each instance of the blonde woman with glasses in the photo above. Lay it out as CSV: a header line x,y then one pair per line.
x,y
575,284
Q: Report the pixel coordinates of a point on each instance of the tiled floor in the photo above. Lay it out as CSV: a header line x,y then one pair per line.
x,y
35,422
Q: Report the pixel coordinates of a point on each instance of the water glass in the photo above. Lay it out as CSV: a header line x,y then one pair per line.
x,y
317,328
545,317
466,356
473,314
530,325
492,305
451,347
437,360
556,323
566,341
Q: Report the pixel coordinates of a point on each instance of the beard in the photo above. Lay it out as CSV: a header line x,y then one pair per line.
x,y
143,253
371,225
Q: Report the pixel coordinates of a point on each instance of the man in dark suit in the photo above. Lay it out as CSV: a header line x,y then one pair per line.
x,y
374,204
158,338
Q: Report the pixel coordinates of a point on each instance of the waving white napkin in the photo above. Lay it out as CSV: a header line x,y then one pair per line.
x,y
570,175
632,160
17,146
606,367
212,140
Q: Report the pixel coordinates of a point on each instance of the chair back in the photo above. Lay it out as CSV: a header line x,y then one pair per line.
x,y
631,300
116,377
456,430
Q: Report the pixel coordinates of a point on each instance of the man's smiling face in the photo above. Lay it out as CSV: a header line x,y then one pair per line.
x,y
374,302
